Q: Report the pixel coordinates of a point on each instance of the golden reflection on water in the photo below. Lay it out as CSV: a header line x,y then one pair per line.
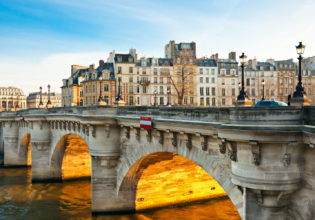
x,y
76,162
20,199
175,181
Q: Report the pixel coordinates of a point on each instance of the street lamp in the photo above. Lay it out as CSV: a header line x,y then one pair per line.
x,y
299,91
48,102
263,89
100,98
40,96
118,98
168,97
155,92
242,94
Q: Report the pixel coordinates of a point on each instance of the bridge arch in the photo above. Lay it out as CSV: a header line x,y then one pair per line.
x,y
25,149
131,168
70,158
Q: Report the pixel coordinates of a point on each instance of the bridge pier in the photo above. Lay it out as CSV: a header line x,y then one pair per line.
x,y
12,157
41,147
104,143
269,174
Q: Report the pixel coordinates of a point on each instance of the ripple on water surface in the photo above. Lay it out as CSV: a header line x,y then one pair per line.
x,y
20,199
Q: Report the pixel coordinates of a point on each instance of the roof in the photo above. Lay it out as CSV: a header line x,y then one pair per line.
x,y
206,62
124,58
106,66
227,61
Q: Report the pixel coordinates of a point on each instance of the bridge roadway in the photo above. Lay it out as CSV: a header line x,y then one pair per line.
x,y
264,158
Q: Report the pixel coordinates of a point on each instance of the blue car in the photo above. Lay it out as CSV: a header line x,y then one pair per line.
x,y
263,103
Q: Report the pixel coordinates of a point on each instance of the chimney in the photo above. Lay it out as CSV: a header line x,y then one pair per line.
x,y
232,55
92,68
101,63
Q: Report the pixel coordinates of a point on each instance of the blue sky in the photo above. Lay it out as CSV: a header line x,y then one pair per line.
x,y
39,40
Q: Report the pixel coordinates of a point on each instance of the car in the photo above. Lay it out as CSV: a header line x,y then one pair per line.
x,y
263,103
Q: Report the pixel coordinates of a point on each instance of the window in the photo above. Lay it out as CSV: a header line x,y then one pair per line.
x,y
137,70
155,79
201,91
87,100
233,92
155,71
207,79
106,88
223,91
86,89
201,71
233,81
201,79
130,100
144,89
223,82
247,82
144,71
94,100
281,81
119,69
281,91
212,71
185,100
161,90
202,102
213,101
130,69
106,99
212,80
161,100
93,88
207,71
191,100
130,79
179,69
253,92
161,80
207,101
223,101
213,91
138,100
207,91
130,89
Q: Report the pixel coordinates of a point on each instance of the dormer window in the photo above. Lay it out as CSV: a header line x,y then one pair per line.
x,y
130,59
119,59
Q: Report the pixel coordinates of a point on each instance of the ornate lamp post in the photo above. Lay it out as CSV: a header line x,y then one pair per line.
x,y
299,91
168,97
100,98
155,92
40,96
242,99
118,98
242,94
263,89
299,96
48,102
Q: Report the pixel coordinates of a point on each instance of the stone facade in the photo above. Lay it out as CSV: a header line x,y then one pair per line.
x,y
262,157
12,99
33,99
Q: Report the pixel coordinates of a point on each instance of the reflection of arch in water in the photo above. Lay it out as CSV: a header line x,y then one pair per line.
x,y
163,179
25,149
71,158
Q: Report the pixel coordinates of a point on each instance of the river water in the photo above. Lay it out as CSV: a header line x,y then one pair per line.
x,y
20,199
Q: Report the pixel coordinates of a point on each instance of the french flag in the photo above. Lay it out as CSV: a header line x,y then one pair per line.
x,y
145,122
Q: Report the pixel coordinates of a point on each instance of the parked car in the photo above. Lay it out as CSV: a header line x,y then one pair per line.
x,y
263,103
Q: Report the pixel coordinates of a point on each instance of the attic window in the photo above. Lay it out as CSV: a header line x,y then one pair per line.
x,y
119,59
130,59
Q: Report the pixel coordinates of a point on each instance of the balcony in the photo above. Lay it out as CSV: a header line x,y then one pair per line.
x,y
144,82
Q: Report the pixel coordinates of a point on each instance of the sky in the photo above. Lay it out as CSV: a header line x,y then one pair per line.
x,y
41,39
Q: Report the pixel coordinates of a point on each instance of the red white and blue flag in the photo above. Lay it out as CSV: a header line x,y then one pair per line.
x,y
145,122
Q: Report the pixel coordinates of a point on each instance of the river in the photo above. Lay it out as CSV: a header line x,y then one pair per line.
x,y
20,199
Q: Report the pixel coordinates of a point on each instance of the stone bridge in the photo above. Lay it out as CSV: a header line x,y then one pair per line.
x,y
264,158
